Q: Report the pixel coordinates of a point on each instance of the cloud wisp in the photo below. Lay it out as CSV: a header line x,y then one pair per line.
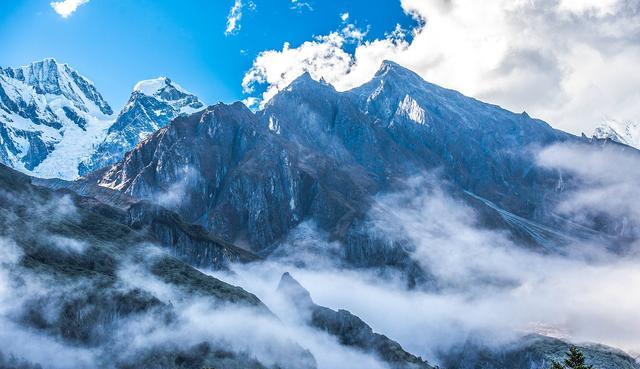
x,y
66,8
233,18
300,5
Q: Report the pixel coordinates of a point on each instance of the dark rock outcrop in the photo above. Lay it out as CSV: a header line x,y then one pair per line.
x,y
350,330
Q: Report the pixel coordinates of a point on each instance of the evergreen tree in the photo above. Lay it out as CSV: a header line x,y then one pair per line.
x,y
575,360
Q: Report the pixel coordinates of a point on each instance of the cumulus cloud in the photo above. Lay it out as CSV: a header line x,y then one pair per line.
x,y
67,7
569,62
323,57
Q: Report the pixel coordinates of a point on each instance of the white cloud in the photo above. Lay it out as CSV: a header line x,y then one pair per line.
x,y
324,56
344,16
175,190
233,19
251,102
298,4
598,7
66,7
605,189
569,62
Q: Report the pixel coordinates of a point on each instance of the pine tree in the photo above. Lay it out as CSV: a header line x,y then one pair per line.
x,y
575,360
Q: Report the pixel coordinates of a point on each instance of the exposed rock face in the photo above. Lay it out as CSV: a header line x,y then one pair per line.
x,y
152,105
50,116
534,352
347,328
398,125
230,174
187,242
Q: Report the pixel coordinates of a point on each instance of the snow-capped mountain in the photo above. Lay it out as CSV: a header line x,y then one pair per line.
x,y
627,133
55,124
152,105
50,117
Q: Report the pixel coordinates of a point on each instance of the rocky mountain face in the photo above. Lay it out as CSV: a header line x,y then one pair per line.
x,y
627,133
55,124
315,154
211,166
398,125
50,116
152,105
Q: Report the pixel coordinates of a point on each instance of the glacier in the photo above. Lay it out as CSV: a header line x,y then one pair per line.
x,y
55,124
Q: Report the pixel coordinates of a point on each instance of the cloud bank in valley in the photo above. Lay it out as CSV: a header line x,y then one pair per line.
x,y
490,289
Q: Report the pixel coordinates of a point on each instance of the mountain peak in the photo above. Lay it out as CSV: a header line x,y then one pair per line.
x,y
68,114
389,64
388,67
52,60
291,288
151,87
306,79
152,105
48,76
626,132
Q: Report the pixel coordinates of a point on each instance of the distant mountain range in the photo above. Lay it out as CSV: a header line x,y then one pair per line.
x,y
55,123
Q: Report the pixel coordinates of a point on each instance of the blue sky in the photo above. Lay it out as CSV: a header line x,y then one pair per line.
x,y
117,43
